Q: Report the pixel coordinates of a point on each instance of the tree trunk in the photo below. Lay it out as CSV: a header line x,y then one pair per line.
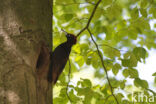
x,y
25,42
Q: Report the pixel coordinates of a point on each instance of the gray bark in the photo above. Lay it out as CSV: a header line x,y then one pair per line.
x,y
25,40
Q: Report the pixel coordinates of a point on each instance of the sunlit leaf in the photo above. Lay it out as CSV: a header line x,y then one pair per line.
x,y
119,97
144,3
111,52
113,11
115,83
116,68
79,60
108,64
154,74
143,12
142,83
125,73
135,13
122,84
107,2
132,62
133,73
152,11
87,83
73,97
140,53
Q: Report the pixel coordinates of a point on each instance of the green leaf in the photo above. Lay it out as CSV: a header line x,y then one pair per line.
x,y
80,60
119,97
140,53
96,60
143,12
86,83
63,92
135,13
141,24
98,14
127,55
111,52
67,16
111,100
152,11
87,93
76,48
116,68
109,32
108,64
125,102
114,82
121,25
107,2
60,100
120,34
84,48
155,25
125,73
88,61
98,73
144,3
73,97
122,84
142,83
82,91
93,58
154,74
113,11
132,62
95,63
132,33
133,73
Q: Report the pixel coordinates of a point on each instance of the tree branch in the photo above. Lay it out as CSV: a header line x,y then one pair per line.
x,y
154,93
92,14
104,67
109,46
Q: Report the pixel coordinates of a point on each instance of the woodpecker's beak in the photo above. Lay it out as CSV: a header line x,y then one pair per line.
x,y
65,32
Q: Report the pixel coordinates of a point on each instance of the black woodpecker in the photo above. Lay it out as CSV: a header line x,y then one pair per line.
x,y
59,58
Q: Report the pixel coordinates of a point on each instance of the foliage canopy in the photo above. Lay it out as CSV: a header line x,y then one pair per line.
x,y
119,31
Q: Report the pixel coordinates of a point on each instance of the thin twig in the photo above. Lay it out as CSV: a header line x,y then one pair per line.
x,y
108,46
104,67
68,82
89,20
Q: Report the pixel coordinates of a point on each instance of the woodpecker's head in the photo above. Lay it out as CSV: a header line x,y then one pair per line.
x,y
70,38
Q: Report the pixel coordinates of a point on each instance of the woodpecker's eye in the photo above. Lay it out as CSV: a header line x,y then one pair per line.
x,y
69,36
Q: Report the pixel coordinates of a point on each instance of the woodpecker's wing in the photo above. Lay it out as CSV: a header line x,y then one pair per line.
x,y
59,58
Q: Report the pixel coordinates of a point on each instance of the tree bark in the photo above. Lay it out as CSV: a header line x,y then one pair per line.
x,y
25,42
